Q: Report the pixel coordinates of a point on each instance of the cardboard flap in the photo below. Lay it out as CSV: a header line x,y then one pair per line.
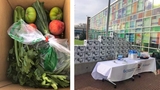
x,y
48,3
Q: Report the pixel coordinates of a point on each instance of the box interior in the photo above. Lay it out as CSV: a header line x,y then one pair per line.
x,y
6,12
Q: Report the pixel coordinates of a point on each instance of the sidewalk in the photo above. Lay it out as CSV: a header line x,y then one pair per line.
x,y
147,81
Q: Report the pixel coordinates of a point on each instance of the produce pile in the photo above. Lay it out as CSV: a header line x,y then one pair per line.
x,y
38,58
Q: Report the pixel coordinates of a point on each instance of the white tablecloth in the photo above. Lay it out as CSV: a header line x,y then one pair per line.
x,y
120,70
145,65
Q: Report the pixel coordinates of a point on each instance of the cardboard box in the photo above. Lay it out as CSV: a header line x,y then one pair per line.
x,y
6,12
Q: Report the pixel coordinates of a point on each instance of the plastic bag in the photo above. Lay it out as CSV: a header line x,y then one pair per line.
x,y
47,55
26,34
54,54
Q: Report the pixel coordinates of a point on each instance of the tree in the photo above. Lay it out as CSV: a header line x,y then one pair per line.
x,y
82,35
81,25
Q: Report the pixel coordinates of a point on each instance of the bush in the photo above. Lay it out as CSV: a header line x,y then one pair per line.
x,y
82,35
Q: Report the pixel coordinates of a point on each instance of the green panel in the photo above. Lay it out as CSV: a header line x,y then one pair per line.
x,y
147,22
152,50
144,49
156,29
116,15
120,4
127,25
140,5
129,2
129,10
127,31
111,9
122,35
110,17
146,29
145,39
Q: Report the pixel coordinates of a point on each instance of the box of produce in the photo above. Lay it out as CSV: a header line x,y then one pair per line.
x,y
35,36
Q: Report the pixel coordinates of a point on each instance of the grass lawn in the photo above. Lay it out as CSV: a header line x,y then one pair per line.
x,y
78,42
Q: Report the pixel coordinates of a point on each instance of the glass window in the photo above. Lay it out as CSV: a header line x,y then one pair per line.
x,y
129,10
148,4
154,39
156,3
140,5
138,38
145,39
147,22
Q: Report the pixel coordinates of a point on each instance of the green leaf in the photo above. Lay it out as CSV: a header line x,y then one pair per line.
x,y
31,54
26,64
38,73
22,80
60,80
50,58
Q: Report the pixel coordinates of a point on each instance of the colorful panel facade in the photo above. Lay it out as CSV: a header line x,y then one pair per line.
x,y
137,21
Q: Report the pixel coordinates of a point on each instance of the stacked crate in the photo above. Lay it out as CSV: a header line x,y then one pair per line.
x,y
79,53
103,48
92,47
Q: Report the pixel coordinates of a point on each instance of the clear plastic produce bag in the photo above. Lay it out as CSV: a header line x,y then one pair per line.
x,y
54,54
26,34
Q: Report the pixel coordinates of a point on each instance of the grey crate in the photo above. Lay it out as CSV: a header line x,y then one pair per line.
x,y
75,48
102,53
88,48
88,59
79,54
88,42
101,38
109,43
102,48
95,48
96,58
95,53
96,43
78,60
102,43
102,58
75,54
88,54
81,48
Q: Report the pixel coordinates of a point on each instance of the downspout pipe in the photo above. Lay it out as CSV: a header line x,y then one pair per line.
x,y
108,15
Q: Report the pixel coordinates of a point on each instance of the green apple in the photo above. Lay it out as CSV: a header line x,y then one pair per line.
x,y
55,13
30,15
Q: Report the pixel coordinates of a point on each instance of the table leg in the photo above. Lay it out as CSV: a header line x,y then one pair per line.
x,y
132,78
115,86
139,75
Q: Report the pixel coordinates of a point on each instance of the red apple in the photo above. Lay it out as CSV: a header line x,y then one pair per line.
x,y
56,27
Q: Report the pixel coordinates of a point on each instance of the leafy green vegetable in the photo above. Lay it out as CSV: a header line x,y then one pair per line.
x,y
42,20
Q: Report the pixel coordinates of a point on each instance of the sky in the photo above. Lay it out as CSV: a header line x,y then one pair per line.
x,y
84,8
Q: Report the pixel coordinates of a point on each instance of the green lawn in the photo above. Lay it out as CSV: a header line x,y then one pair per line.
x,y
78,42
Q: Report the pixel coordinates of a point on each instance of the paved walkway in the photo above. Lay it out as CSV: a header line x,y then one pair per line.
x,y
147,81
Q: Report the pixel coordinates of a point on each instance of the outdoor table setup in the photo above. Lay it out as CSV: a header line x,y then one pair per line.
x,y
144,65
119,70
